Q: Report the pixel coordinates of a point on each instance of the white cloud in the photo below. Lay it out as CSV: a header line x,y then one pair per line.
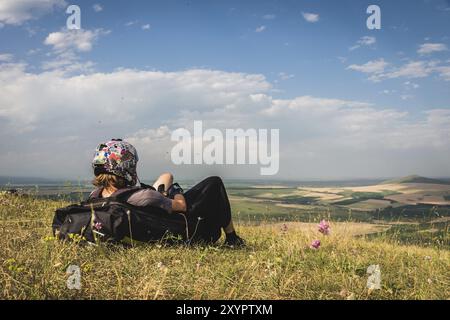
x,y
135,92
367,41
66,47
150,135
428,48
260,29
310,17
6,57
413,69
66,116
410,70
33,51
68,62
406,97
130,23
444,72
15,12
364,41
97,7
411,85
146,27
79,40
312,105
374,66
285,76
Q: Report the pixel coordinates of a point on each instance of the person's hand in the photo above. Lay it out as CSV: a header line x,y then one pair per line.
x,y
173,190
179,204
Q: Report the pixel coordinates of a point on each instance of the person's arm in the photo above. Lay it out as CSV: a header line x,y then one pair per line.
x,y
179,204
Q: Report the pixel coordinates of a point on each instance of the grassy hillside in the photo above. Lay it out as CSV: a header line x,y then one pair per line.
x,y
415,179
278,264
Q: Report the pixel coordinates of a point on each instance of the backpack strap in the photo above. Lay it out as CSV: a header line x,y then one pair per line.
x,y
147,186
123,195
95,194
120,196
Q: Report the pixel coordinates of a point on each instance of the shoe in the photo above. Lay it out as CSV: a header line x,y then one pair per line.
x,y
234,241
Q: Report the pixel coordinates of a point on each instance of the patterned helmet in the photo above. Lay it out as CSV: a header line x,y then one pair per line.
x,y
116,157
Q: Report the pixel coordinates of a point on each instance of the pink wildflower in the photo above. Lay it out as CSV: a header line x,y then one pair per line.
x,y
315,244
98,225
324,227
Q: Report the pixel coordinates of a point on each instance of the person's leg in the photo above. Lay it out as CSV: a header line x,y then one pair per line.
x,y
209,200
165,179
231,238
229,228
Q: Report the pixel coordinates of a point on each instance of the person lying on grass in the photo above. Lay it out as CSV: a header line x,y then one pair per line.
x,y
114,167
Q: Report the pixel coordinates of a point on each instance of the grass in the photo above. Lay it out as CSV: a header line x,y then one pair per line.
x,y
277,264
265,209
435,234
358,197
259,192
422,212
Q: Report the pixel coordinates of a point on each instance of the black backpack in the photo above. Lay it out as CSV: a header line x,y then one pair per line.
x,y
112,219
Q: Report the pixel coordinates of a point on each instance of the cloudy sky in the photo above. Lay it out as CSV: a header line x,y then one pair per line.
x,y
349,102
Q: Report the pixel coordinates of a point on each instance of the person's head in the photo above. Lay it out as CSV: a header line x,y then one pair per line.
x,y
115,164
107,180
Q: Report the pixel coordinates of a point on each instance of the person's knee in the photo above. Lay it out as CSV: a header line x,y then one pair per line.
x,y
167,176
165,179
216,180
217,183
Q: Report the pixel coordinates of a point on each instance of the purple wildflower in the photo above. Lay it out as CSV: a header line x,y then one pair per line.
x,y
324,227
315,244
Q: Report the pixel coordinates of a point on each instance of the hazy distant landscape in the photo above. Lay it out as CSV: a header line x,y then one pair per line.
x,y
415,207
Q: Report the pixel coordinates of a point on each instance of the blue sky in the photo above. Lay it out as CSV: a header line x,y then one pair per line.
x,y
221,35
399,76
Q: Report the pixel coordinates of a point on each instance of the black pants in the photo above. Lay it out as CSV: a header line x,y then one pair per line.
x,y
208,210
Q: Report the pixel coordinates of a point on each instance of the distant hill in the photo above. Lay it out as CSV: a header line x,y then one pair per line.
x,y
11,180
22,180
416,179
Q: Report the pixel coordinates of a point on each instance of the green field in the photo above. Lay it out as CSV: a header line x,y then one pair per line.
x,y
409,242
277,264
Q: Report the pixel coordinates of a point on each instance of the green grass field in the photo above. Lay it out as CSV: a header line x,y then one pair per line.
x,y
277,264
